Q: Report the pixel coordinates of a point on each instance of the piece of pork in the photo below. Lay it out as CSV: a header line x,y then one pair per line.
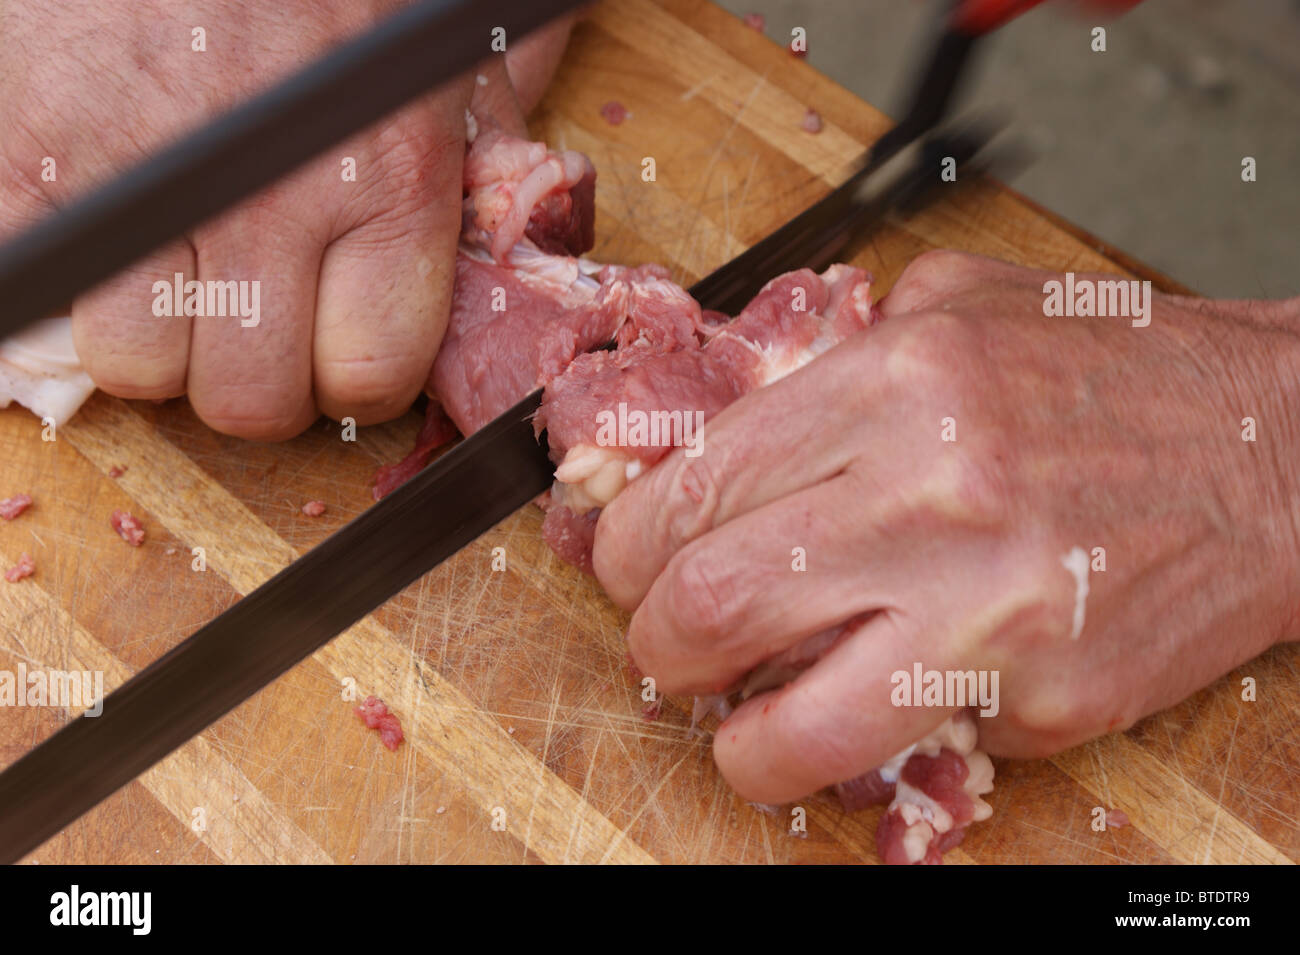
x,y
674,369
40,370
515,189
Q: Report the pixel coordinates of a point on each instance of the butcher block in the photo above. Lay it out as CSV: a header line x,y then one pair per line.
x,y
526,735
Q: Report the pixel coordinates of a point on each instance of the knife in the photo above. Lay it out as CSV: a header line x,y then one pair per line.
x,y
461,495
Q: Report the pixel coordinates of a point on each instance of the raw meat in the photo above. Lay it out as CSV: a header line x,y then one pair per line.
x,y
517,190
436,431
672,363
128,528
812,121
375,713
116,471
11,507
675,367
24,568
314,508
613,113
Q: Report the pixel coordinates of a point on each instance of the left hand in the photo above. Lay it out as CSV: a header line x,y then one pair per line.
x,y
1069,432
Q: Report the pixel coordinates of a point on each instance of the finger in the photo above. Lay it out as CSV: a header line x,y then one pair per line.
x,y
759,585
131,336
494,100
770,443
385,286
833,723
251,373
532,61
934,279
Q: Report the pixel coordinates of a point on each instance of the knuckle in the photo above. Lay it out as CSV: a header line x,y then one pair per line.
x,y
697,495
929,276
703,599
966,488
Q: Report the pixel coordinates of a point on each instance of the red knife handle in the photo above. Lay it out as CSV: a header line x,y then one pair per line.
x,y
975,17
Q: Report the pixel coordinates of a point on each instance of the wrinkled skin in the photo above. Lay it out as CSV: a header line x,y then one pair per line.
x,y
355,276
1069,432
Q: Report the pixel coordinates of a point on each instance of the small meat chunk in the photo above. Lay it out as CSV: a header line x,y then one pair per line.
x,y
11,507
375,713
24,568
128,528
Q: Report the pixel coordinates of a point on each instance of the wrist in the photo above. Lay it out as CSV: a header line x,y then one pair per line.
x,y
1271,378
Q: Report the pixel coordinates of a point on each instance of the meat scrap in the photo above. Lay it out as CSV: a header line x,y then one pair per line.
x,y
755,21
314,508
116,471
812,121
1115,818
375,713
436,431
24,568
11,507
128,528
614,113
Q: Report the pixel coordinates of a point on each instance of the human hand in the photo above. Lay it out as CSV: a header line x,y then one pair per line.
x,y
347,282
1069,433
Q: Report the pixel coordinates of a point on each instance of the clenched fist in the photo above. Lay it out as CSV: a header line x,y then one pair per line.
x,y
352,274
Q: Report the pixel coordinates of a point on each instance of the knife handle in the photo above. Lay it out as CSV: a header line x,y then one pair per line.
x,y
976,17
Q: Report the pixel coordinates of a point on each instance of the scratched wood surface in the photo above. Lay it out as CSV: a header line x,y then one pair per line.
x,y
511,686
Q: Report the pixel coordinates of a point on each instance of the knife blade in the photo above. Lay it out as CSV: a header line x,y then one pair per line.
x,y
458,497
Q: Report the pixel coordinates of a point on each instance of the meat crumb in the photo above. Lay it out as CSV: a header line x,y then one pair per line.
x,y
650,712
11,507
756,21
375,714
314,508
812,121
1117,819
116,471
128,528
24,568
614,112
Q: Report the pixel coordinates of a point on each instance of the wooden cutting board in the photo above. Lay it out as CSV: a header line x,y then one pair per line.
x,y
511,686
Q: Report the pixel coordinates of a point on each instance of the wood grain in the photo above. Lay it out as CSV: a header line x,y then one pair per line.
x,y
511,685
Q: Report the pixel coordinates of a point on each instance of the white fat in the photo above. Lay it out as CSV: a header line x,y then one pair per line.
x,y
580,462
914,805
978,782
916,841
40,370
592,476
634,469
891,768
1076,562
471,127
